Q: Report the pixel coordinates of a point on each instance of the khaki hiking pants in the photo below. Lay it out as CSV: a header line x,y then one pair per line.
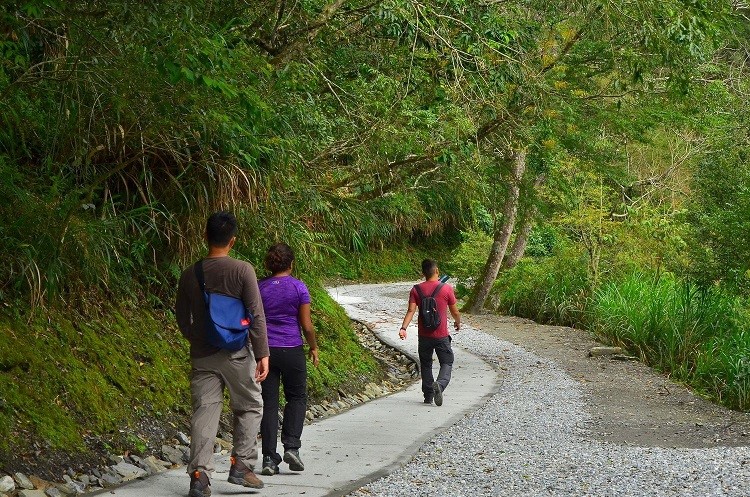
x,y
209,376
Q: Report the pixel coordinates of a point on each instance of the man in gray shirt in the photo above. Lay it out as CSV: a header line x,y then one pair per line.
x,y
213,368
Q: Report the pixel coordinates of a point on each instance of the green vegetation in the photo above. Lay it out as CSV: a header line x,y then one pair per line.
x,y
602,140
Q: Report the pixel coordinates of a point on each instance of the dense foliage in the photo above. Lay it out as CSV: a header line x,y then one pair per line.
x,y
602,139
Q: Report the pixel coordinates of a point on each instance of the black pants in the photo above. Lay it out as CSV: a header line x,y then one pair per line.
x,y
287,367
442,348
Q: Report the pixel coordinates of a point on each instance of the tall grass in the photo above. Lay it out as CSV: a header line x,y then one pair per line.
x,y
693,333
548,290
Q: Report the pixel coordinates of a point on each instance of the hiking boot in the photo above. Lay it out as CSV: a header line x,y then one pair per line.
x,y
239,474
428,399
437,393
270,467
291,457
200,486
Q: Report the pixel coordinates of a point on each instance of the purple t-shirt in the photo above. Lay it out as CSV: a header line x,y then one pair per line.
x,y
282,297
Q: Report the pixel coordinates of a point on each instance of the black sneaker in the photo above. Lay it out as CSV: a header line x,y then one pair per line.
x,y
428,400
437,392
291,457
200,485
270,467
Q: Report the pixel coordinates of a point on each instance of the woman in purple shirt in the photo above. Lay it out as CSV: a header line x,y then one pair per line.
x,y
286,303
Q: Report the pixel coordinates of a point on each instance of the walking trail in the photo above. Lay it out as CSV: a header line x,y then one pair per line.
x,y
343,452
527,413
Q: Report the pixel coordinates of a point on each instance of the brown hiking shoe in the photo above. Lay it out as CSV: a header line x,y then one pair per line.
x,y
239,474
200,486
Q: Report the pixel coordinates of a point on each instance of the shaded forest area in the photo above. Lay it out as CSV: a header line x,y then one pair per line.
x,y
586,163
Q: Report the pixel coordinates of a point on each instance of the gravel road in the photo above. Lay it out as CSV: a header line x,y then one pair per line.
x,y
533,437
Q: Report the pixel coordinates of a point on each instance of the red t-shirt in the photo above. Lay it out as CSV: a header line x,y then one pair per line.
x,y
444,298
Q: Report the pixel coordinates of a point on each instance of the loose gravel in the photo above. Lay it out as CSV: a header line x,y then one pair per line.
x,y
530,439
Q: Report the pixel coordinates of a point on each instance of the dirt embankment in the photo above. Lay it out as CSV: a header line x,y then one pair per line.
x,y
629,402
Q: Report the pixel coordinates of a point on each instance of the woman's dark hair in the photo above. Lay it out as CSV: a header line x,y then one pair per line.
x,y
279,258
220,228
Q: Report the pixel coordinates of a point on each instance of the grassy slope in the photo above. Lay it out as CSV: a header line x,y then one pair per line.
x,y
122,373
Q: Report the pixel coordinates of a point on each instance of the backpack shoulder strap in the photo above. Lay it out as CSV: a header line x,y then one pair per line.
x,y
419,292
198,268
437,290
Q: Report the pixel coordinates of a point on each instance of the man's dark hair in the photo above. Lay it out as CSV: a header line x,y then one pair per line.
x,y
220,228
429,266
279,258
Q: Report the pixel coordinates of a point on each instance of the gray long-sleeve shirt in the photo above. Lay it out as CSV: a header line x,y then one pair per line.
x,y
227,276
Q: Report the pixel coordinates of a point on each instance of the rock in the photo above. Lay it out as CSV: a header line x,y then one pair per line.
x,y
38,483
7,484
129,471
185,453
225,444
116,459
72,487
623,357
154,465
110,480
182,438
171,454
31,493
23,482
604,351
53,492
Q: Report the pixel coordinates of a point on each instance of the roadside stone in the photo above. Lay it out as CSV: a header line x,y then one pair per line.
x,y
171,454
225,444
182,438
71,486
53,492
129,471
38,483
153,465
31,493
116,459
7,484
623,357
604,351
185,453
110,480
23,482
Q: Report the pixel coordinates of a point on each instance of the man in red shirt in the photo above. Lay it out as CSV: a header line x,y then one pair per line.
x,y
437,340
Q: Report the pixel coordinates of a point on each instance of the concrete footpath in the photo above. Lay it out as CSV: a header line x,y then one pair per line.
x,y
346,451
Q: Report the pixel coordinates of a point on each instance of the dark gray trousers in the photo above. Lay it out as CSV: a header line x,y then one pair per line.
x,y
442,348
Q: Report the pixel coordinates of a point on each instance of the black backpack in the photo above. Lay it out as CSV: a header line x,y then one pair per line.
x,y
428,311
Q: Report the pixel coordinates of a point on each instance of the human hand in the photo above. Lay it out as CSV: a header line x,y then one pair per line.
x,y
261,369
314,357
457,325
402,334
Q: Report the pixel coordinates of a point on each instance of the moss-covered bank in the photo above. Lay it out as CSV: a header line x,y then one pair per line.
x,y
75,386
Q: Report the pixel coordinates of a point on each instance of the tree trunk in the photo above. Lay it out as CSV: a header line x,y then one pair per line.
x,y
522,234
522,238
502,235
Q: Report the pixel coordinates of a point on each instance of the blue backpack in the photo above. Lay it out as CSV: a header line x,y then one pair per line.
x,y
228,320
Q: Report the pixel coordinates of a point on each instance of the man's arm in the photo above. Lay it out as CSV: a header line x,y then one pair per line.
x,y
407,319
456,316
182,306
